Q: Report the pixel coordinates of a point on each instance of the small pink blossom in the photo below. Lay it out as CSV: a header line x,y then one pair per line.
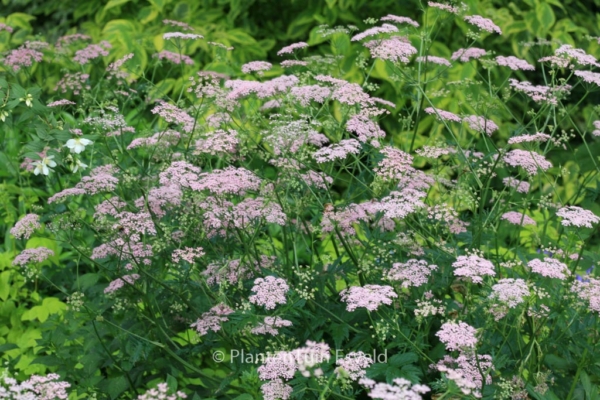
x,y
433,60
338,151
411,273
91,52
178,24
528,160
510,292
270,325
444,7
212,319
19,58
514,63
33,255
474,267
276,390
465,55
400,20
481,124
290,49
483,23
442,115
517,218
256,66
368,296
457,336
519,186
376,30
353,365
395,49
26,226
549,267
577,216
175,58
269,292
120,282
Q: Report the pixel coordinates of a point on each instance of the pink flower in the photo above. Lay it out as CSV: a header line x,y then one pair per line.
x,y
45,388
527,160
400,20
589,76
276,390
4,27
577,216
511,292
376,30
218,142
474,267
175,58
91,52
230,180
483,23
364,128
444,7
588,290
290,49
270,325
517,218
212,319
256,66
540,94
520,186
411,273
183,36
465,55
178,24
457,336
171,113
26,226
306,94
550,267
337,151
269,292
188,254
514,63
580,56
22,58
120,282
481,124
442,115
62,102
33,255
468,371
538,137
433,60
368,296
353,365
293,63
400,389
162,393
395,49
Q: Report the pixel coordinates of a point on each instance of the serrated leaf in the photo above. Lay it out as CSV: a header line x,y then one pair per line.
x,y
398,360
339,332
376,370
116,386
392,373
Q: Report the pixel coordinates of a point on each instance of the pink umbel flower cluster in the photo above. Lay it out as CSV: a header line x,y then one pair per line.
x,y
188,254
465,55
411,273
218,142
434,60
276,390
305,94
171,113
22,57
395,49
540,94
120,282
589,76
26,226
528,160
376,30
399,389
550,268
175,58
366,129
368,296
270,325
212,319
290,49
67,40
442,115
293,63
400,20
256,66
588,290
517,218
578,55
161,393
178,24
76,83
466,371
474,267
284,364
60,103
577,216
92,52
519,186
32,256
481,124
37,387
353,365
338,151
538,137
510,292
514,63
241,88
163,139
596,131
457,336
444,7
485,24
230,180
4,27
269,292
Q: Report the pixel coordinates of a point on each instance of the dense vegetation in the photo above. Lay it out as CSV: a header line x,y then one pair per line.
x,y
404,204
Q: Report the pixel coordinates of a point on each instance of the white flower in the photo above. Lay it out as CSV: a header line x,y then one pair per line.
x,y
3,115
44,166
28,100
78,164
78,145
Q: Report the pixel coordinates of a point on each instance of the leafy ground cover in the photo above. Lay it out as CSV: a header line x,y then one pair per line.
x,y
374,216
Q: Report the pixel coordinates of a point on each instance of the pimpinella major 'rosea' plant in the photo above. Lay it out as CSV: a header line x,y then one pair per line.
x,y
263,236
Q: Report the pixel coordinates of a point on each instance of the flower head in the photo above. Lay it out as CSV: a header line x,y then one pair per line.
x,y
77,145
43,167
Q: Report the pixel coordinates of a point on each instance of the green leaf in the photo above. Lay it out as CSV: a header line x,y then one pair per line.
x,y
398,360
339,332
376,370
392,373
171,383
5,285
115,3
545,16
19,20
7,346
116,386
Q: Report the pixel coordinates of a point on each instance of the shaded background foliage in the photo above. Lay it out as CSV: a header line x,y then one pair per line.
x,y
257,29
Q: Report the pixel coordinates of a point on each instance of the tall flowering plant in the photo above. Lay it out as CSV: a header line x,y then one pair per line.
x,y
260,234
